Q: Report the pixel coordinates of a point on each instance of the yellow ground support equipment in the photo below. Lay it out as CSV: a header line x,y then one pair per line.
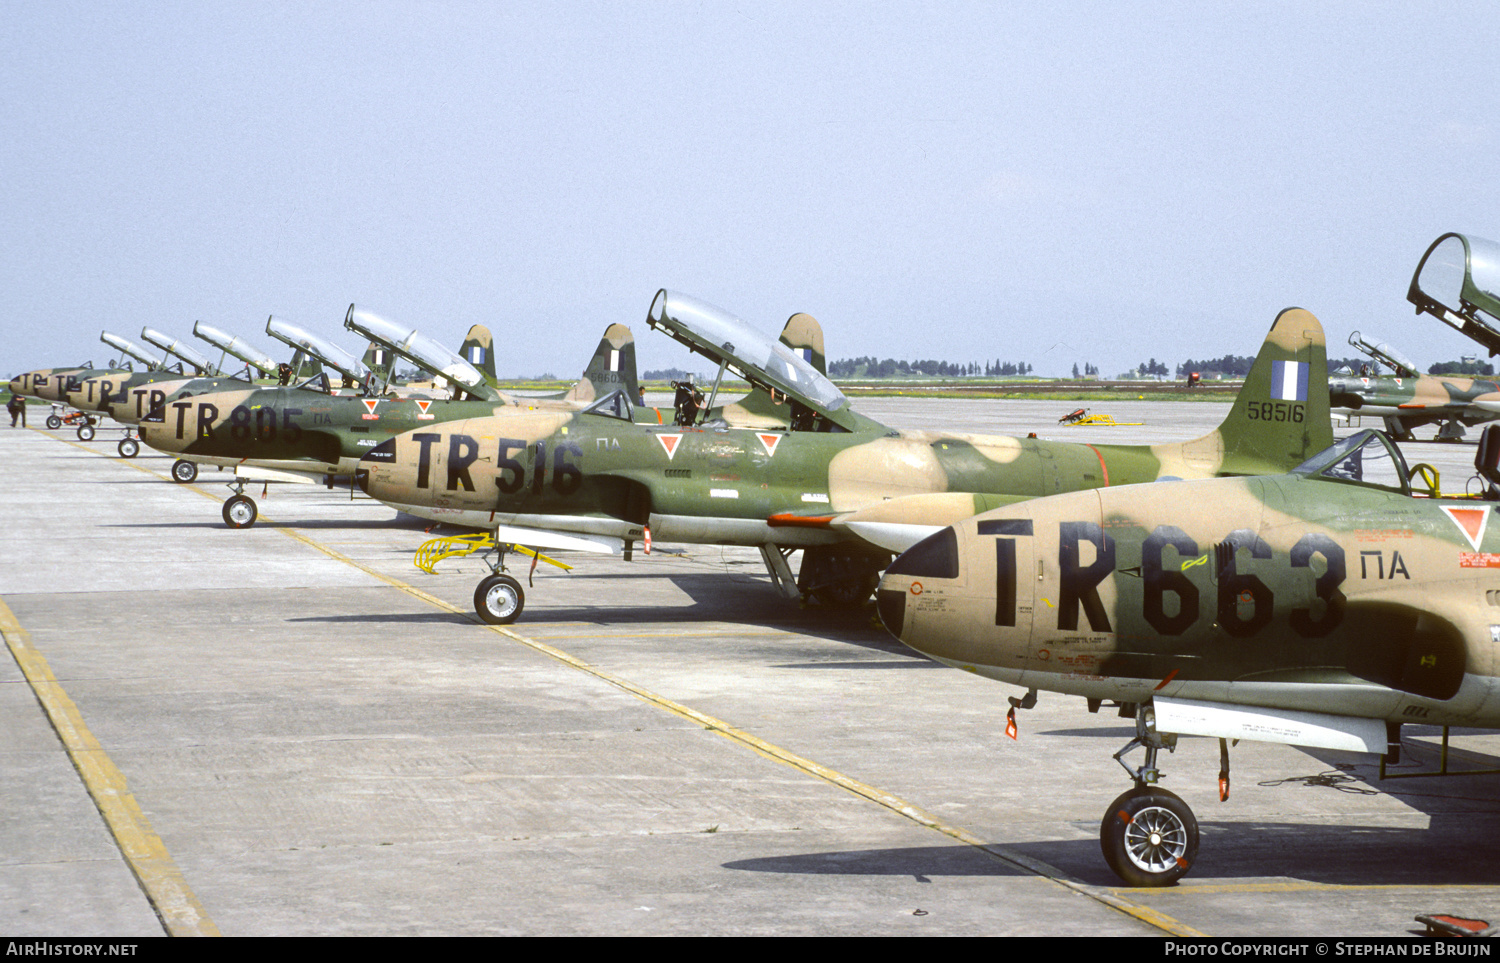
x,y
434,550
1105,420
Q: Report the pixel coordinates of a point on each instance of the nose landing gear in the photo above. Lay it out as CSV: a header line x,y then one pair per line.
x,y
1149,835
239,508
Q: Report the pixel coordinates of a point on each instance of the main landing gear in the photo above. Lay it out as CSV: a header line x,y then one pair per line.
x,y
1149,835
837,576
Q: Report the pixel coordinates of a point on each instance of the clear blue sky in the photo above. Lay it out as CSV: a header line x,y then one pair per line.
x,y
1047,182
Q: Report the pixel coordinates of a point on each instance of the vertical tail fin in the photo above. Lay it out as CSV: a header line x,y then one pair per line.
x,y
611,367
804,335
478,350
1280,417
379,359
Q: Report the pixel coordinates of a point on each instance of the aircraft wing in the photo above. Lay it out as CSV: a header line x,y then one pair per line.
x,y
897,524
1319,730
544,538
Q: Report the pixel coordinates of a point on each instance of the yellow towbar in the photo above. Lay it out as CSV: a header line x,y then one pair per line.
x,y
434,550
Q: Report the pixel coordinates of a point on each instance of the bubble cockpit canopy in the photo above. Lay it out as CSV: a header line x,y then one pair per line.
x,y
421,350
172,346
1457,282
236,346
128,347
764,362
327,352
1385,354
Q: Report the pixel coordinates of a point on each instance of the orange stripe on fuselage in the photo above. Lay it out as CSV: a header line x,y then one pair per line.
x,y
1102,466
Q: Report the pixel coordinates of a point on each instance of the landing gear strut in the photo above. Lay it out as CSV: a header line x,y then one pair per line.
x,y
1149,835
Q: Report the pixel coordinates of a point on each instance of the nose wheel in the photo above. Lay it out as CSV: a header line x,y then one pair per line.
x,y
499,599
1149,837
240,511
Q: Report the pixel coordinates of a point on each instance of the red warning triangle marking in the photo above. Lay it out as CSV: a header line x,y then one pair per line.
x,y
669,444
370,403
424,405
770,442
1470,521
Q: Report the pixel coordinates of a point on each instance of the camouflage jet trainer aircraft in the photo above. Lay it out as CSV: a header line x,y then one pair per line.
x,y
121,392
337,432
1320,608
1407,399
304,433
843,488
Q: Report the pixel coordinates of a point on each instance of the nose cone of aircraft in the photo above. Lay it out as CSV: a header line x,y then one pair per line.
x,y
381,455
962,595
929,569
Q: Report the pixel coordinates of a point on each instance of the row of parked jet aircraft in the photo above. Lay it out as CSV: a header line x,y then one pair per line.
x,y
1257,583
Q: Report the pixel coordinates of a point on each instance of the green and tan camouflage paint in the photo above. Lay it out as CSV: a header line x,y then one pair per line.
x,y
1295,591
774,486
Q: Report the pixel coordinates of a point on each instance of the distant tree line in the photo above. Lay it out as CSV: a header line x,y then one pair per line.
x,y
870,367
1462,368
1231,364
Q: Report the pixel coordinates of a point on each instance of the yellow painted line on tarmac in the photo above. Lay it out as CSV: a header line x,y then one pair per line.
x,y
771,751
777,754
1302,886
144,852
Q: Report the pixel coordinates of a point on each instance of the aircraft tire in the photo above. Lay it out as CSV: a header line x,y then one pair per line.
x,y
85,432
129,447
1149,837
184,472
240,511
54,422
499,600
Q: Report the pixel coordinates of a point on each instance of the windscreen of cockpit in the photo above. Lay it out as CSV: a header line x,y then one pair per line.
x,y
721,332
1366,458
616,404
415,347
327,352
